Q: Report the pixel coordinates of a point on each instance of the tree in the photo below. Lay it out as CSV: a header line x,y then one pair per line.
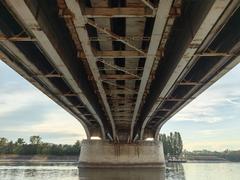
x,y
36,146
3,145
20,142
3,141
179,144
172,144
35,140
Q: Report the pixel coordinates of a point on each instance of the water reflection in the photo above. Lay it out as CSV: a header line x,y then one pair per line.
x,y
191,171
120,174
175,171
38,172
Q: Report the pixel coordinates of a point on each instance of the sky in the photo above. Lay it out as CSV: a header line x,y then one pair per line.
x,y
211,121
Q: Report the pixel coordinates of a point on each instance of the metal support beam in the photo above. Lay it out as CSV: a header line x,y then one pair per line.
x,y
50,91
119,54
119,86
166,110
172,99
216,10
148,4
118,77
189,83
126,69
117,12
158,29
223,71
22,11
120,91
16,38
115,36
69,94
126,38
79,23
213,54
50,75
118,68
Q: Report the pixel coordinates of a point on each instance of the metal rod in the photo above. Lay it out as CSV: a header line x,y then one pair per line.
x,y
115,36
118,68
148,4
123,87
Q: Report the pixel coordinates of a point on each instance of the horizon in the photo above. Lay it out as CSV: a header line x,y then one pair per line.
x,y
208,122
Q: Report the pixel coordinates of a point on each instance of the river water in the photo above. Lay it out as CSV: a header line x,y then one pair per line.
x,y
63,171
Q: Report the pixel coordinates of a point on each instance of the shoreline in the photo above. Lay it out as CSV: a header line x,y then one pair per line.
x,y
37,159
48,159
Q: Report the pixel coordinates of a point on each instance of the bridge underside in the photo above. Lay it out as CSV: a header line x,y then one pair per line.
x,y
121,67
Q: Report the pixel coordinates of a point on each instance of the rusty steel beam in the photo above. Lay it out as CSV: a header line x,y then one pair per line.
x,y
69,94
122,111
117,12
78,106
119,86
175,99
126,38
126,69
118,77
24,14
123,101
213,54
164,109
148,4
118,68
79,23
215,12
50,75
120,91
119,54
16,38
189,83
115,36
50,91
162,15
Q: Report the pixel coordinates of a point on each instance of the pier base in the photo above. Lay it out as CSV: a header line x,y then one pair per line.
x,y
96,153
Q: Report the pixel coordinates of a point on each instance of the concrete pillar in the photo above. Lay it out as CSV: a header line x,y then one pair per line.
x,y
97,153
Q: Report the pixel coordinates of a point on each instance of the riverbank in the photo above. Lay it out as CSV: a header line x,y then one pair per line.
x,y
37,158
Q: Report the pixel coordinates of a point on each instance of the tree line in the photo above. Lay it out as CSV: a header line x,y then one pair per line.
x,y
37,147
172,144
229,155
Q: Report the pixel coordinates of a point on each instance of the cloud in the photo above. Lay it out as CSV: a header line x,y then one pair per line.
x,y
54,125
211,121
210,132
25,111
59,121
213,105
219,145
13,101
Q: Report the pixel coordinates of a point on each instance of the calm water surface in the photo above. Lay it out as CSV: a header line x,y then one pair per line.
x,y
186,171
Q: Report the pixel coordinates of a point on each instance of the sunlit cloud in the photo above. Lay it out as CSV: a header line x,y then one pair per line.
x,y
210,132
219,145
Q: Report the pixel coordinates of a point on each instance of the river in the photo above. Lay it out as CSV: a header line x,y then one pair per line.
x,y
66,171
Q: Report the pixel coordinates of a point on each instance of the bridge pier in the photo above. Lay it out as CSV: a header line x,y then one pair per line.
x,y
104,154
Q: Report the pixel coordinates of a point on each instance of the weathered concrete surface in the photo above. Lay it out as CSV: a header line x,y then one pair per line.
x,y
96,153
